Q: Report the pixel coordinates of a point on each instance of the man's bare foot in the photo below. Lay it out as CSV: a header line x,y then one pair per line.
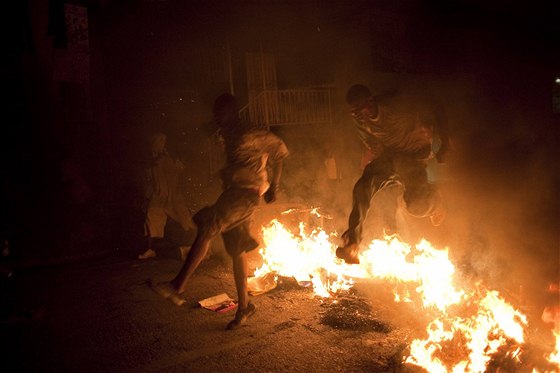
x,y
167,291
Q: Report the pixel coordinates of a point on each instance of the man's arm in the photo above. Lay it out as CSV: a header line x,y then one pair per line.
x,y
270,195
277,150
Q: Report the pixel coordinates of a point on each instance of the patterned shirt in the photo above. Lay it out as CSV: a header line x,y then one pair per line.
x,y
248,150
401,126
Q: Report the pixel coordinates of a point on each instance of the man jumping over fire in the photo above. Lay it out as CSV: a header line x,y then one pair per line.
x,y
248,152
398,132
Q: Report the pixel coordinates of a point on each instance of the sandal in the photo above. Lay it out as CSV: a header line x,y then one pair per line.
x,y
241,316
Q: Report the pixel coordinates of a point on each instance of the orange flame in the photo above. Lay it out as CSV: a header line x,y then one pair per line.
x,y
488,323
552,315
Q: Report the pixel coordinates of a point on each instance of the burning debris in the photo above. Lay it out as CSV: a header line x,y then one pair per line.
x,y
353,314
472,329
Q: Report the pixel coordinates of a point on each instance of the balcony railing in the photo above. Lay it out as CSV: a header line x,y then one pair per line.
x,y
289,107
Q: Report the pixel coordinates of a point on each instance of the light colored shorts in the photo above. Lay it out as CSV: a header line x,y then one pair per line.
x,y
156,219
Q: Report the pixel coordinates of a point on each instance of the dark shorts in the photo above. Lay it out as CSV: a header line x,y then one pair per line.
x,y
231,215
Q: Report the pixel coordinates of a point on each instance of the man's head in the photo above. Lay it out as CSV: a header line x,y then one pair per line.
x,y
225,110
361,103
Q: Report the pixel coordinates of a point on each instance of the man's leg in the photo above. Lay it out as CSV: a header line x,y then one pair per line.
x,y
240,274
208,228
171,290
150,252
361,199
245,309
154,226
197,253
421,197
238,242
375,175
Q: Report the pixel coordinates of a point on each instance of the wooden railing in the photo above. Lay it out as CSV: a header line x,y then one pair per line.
x,y
289,107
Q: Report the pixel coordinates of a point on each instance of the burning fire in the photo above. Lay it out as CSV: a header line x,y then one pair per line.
x,y
551,315
475,322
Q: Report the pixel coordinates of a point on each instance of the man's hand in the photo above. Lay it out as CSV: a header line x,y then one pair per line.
x,y
270,194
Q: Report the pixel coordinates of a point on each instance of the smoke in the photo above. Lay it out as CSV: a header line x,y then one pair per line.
x,y
501,185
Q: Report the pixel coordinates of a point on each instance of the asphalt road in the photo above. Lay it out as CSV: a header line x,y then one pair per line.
x,y
99,315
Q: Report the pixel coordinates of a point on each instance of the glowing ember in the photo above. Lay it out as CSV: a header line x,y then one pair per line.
x,y
476,323
483,334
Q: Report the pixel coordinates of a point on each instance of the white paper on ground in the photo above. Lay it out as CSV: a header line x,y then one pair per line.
x,y
218,303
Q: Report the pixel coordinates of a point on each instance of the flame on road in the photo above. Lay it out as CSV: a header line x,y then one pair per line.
x,y
551,315
473,321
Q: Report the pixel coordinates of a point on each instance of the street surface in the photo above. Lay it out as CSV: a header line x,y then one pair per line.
x,y
99,315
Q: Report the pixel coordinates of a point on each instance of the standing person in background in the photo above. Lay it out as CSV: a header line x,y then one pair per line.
x,y
398,130
163,198
331,171
245,180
